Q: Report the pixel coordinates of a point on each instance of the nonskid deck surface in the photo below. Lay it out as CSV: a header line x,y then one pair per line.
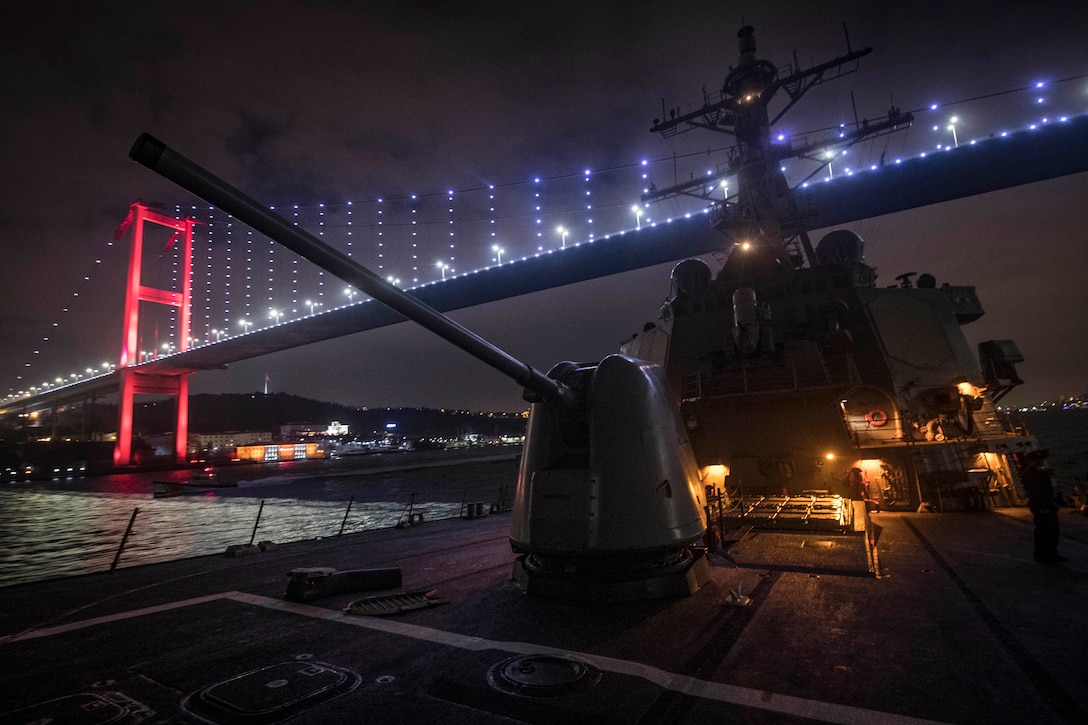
x,y
959,626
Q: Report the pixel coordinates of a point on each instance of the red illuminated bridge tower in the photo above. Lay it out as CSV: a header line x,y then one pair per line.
x,y
162,381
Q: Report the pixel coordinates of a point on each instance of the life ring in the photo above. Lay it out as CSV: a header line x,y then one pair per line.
x,y
876,417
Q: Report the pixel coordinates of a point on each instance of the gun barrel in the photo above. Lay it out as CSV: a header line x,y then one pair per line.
x,y
159,157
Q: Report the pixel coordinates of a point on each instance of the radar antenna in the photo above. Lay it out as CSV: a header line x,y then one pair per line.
x,y
763,206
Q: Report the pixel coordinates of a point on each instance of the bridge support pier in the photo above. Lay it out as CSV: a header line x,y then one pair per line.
x,y
134,382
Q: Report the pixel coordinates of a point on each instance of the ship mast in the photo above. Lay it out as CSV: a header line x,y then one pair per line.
x,y
763,211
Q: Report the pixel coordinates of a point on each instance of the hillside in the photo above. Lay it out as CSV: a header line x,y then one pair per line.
x,y
256,411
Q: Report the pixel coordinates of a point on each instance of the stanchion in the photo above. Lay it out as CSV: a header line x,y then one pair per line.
x,y
124,539
342,523
256,523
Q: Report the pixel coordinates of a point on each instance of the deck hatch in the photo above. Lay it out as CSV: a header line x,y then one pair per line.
x,y
274,693
543,676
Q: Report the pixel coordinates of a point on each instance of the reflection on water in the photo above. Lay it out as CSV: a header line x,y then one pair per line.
x,y
74,527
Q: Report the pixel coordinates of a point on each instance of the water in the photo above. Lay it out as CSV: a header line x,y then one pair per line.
x,y
1065,434
62,528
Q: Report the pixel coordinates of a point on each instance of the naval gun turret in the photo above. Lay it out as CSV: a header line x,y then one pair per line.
x,y
609,502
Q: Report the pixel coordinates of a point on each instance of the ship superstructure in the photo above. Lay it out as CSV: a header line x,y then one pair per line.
x,y
797,373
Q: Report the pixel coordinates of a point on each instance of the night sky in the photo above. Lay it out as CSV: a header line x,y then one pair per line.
x,y
302,102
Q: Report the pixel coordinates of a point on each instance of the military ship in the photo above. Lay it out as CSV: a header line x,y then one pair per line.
x,y
789,354
798,373
787,390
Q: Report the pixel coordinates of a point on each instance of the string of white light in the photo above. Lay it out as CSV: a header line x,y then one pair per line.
x,y
541,207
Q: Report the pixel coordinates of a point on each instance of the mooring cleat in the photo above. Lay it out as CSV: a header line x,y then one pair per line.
x,y
737,597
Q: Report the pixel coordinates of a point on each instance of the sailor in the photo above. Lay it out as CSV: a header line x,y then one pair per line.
x,y
859,487
1044,506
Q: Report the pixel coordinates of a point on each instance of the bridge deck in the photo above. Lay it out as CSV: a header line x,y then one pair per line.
x,y
1021,158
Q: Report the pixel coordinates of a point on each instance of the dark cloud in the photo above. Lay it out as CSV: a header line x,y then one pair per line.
x,y
253,136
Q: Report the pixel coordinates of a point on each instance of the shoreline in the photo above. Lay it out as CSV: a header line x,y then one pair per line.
x,y
349,462
375,463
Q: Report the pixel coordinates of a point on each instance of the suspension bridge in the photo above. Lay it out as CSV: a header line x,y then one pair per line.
x,y
220,292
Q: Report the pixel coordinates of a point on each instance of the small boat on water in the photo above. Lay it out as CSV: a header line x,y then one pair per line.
x,y
205,480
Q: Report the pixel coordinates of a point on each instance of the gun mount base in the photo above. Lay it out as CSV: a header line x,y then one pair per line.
x,y
552,578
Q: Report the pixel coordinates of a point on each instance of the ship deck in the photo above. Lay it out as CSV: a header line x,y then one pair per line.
x,y
958,625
